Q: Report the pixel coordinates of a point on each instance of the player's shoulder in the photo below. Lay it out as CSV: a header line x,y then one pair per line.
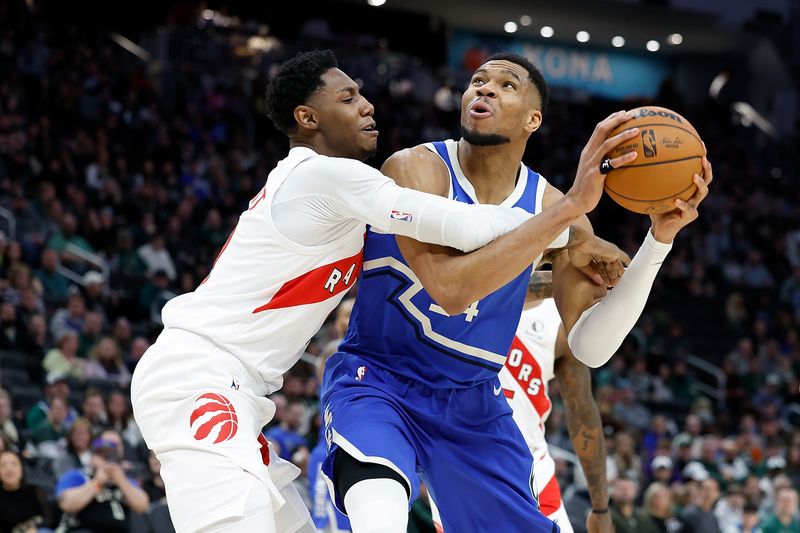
x,y
320,162
418,168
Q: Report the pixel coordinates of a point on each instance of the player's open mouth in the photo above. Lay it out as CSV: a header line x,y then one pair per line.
x,y
480,110
370,129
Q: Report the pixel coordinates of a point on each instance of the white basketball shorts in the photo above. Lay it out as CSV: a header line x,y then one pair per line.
x,y
202,413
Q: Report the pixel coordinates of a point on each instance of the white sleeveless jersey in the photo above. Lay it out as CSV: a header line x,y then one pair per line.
x,y
266,295
525,380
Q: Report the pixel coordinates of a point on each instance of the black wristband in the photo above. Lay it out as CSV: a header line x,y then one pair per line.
x,y
600,511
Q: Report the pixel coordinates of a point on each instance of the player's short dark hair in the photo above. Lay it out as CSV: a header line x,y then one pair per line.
x,y
297,79
534,73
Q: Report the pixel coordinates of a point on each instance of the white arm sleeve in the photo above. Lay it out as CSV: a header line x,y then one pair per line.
x,y
600,330
324,196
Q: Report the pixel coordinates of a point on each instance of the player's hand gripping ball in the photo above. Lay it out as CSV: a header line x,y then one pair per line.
x,y
670,153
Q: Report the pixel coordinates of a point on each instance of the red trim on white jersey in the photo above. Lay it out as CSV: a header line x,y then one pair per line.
x,y
550,497
527,372
525,380
317,285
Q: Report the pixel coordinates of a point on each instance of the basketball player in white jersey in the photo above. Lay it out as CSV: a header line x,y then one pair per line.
x,y
199,392
538,354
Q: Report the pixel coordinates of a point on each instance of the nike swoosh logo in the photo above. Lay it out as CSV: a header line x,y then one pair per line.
x,y
497,391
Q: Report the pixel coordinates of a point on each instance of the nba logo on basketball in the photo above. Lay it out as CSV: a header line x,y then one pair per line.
x,y
213,417
649,143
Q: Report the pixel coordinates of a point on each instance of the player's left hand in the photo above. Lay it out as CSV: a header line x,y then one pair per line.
x,y
599,260
667,225
599,523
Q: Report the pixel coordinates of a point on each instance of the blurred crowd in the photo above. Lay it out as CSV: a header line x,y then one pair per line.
x,y
119,183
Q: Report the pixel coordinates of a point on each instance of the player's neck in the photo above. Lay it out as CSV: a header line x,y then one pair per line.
x,y
492,170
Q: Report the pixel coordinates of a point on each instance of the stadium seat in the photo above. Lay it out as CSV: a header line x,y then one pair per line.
x,y
25,396
13,377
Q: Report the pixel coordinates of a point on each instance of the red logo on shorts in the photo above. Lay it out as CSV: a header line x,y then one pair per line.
x,y
213,413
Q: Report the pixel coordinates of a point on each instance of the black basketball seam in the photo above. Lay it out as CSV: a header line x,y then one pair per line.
x,y
663,124
649,201
657,163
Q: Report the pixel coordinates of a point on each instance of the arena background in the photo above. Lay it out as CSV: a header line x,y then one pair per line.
x,y
133,134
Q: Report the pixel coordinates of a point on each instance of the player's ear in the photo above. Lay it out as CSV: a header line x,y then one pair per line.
x,y
306,117
534,120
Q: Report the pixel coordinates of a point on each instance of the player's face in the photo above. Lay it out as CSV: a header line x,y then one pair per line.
x,y
499,105
345,117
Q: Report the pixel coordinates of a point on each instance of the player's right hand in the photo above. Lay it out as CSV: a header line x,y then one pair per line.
x,y
599,260
587,189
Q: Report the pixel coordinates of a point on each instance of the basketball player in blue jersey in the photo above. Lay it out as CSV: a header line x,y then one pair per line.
x,y
413,389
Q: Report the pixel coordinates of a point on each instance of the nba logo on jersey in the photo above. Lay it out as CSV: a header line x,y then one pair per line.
x,y
360,373
213,416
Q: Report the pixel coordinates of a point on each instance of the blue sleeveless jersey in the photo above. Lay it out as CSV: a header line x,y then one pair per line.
x,y
396,325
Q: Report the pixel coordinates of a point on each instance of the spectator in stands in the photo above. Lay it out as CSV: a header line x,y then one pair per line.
x,y
69,318
658,503
64,360
628,410
8,427
78,454
99,499
4,263
793,464
94,292
123,336
9,335
34,344
709,451
49,435
661,469
23,508
732,466
286,435
138,347
120,419
659,431
30,304
749,522
94,410
67,238
729,510
56,386
126,262
626,460
784,518
20,279
153,485
54,285
693,429
681,383
152,294
625,515
105,362
157,258
701,513
91,333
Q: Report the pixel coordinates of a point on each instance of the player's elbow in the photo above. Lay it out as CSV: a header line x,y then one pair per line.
x,y
449,298
589,355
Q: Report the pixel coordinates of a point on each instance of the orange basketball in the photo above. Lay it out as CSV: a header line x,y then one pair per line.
x,y
670,154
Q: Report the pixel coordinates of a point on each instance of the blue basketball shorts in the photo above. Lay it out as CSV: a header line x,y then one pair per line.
x,y
463,443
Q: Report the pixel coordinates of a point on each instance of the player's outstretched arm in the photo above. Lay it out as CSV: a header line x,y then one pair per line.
x,y
596,331
585,430
457,280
